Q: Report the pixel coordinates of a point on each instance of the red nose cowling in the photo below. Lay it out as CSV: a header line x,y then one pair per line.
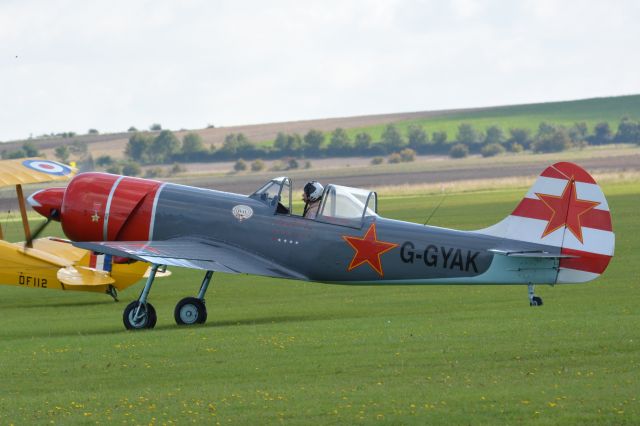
x,y
48,202
105,207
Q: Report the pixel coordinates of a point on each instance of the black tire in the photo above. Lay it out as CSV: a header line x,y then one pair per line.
x,y
537,301
189,311
147,317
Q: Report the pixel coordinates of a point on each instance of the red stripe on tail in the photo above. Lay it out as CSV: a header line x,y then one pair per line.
x,y
589,262
565,170
536,209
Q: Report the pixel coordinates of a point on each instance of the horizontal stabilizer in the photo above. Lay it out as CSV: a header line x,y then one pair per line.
x,y
531,254
80,275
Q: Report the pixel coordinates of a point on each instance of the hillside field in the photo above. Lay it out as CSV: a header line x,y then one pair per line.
x,y
277,351
590,111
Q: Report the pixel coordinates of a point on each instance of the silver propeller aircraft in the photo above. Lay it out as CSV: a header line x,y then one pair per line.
x,y
559,233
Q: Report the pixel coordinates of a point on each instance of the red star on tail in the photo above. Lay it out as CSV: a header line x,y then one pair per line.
x,y
566,210
368,250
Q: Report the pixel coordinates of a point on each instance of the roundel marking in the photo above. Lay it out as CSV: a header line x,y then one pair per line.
x,y
48,167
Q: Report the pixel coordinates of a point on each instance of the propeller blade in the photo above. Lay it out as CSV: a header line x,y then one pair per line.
x,y
54,215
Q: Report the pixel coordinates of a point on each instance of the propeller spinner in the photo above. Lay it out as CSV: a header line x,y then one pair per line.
x,y
47,202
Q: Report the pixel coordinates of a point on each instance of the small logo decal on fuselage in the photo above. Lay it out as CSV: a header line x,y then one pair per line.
x,y
242,212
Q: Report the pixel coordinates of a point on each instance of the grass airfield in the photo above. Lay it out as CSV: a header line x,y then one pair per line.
x,y
277,351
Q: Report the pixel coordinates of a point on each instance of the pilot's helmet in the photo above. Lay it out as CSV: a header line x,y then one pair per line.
x,y
313,190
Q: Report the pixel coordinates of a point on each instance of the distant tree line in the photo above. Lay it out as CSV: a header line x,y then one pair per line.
x,y
166,148
29,149
548,138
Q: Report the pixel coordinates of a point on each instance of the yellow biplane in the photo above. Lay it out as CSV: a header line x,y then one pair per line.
x,y
53,263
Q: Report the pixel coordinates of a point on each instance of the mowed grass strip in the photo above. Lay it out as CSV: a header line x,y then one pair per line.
x,y
304,353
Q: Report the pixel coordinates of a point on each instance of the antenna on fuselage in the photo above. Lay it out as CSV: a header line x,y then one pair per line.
x,y
437,207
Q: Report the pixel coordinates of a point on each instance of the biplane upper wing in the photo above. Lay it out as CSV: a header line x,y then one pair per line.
x,y
196,254
33,170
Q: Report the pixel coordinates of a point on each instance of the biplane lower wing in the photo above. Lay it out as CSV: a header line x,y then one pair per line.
x,y
55,264
197,254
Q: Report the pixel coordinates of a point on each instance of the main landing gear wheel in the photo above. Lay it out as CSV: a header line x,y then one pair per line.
x,y
138,316
189,311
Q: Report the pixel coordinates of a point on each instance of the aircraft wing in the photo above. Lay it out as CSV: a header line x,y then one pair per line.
x,y
32,170
196,254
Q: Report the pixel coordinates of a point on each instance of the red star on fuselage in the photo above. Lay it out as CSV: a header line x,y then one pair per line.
x,y
566,210
368,250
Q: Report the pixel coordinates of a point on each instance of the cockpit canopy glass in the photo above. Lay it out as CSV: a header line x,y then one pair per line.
x,y
277,190
345,204
340,205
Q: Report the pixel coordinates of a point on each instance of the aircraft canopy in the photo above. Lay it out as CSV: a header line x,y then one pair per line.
x,y
340,204
277,193
343,202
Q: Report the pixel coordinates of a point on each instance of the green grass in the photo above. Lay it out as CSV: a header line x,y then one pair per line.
x,y
283,351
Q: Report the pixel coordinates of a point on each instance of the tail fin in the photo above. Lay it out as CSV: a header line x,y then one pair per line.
x,y
566,209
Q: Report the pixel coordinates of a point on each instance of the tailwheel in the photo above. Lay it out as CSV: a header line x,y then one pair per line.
x,y
138,315
533,299
536,301
189,311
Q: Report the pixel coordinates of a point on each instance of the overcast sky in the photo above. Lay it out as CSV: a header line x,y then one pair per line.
x,y
75,65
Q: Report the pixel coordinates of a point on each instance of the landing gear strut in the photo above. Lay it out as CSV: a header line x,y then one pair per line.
x,y
192,310
533,299
111,291
139,314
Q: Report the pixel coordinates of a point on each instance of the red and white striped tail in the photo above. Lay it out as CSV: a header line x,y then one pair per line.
x,y
565,208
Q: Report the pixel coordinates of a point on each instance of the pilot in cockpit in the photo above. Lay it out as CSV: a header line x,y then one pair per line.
x,y
312,196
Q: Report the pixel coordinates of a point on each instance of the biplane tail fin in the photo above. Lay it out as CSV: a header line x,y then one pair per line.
x,y
565,208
